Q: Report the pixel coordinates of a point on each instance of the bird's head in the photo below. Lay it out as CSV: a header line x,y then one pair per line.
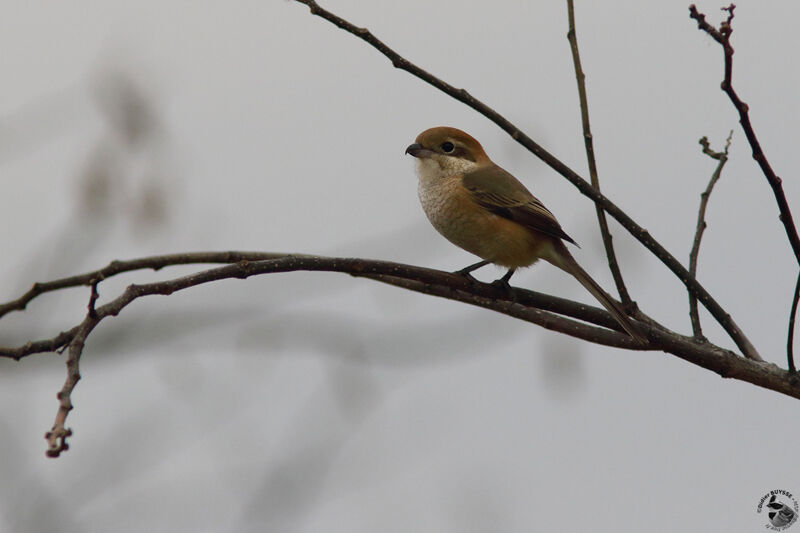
x,y
448,151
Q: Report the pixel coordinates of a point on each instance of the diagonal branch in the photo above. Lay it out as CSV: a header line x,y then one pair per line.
x,y
641,234
722,158
613,264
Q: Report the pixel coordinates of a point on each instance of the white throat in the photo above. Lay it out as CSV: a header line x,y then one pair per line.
x,y
430,169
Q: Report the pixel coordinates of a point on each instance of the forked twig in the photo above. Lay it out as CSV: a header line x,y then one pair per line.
x,y
57,436
722,158
723,36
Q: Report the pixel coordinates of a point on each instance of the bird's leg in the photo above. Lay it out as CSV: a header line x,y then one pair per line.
x,y
466,271
507,275
503,282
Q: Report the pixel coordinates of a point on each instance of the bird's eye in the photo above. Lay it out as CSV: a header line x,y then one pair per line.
x,y
448,147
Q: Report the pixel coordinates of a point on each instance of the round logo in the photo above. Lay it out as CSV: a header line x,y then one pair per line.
x,y
781,509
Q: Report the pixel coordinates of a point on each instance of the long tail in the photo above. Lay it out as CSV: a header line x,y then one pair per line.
x,y
567,263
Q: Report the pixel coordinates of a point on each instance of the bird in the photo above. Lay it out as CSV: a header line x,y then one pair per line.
x,y
485,210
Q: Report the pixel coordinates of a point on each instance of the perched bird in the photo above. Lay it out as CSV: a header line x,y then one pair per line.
x,y
483,209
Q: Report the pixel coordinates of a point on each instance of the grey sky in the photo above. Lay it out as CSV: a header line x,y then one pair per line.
x,y
320,402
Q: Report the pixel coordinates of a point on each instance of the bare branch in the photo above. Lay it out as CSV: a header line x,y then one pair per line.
x,y
641,234
444,284
722,158
613,264
238,266
530,306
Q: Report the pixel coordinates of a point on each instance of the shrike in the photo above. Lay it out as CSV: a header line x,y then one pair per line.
x,y
483,209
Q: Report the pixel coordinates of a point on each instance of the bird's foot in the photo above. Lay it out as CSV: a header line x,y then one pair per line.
x,y
506,287
503,283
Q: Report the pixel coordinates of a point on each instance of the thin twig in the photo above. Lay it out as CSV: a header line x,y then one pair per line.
x,y
722,158
790,336
57,436
588,141
93,297
642,235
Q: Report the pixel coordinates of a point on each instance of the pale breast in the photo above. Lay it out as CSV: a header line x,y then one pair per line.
x,y
460,220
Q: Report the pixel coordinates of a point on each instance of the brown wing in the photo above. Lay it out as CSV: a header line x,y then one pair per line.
x,y
501,193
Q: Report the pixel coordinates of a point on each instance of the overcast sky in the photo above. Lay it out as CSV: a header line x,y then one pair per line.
x,y
319,402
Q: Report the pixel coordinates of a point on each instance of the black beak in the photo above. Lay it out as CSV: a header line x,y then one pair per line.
x,y
416,150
